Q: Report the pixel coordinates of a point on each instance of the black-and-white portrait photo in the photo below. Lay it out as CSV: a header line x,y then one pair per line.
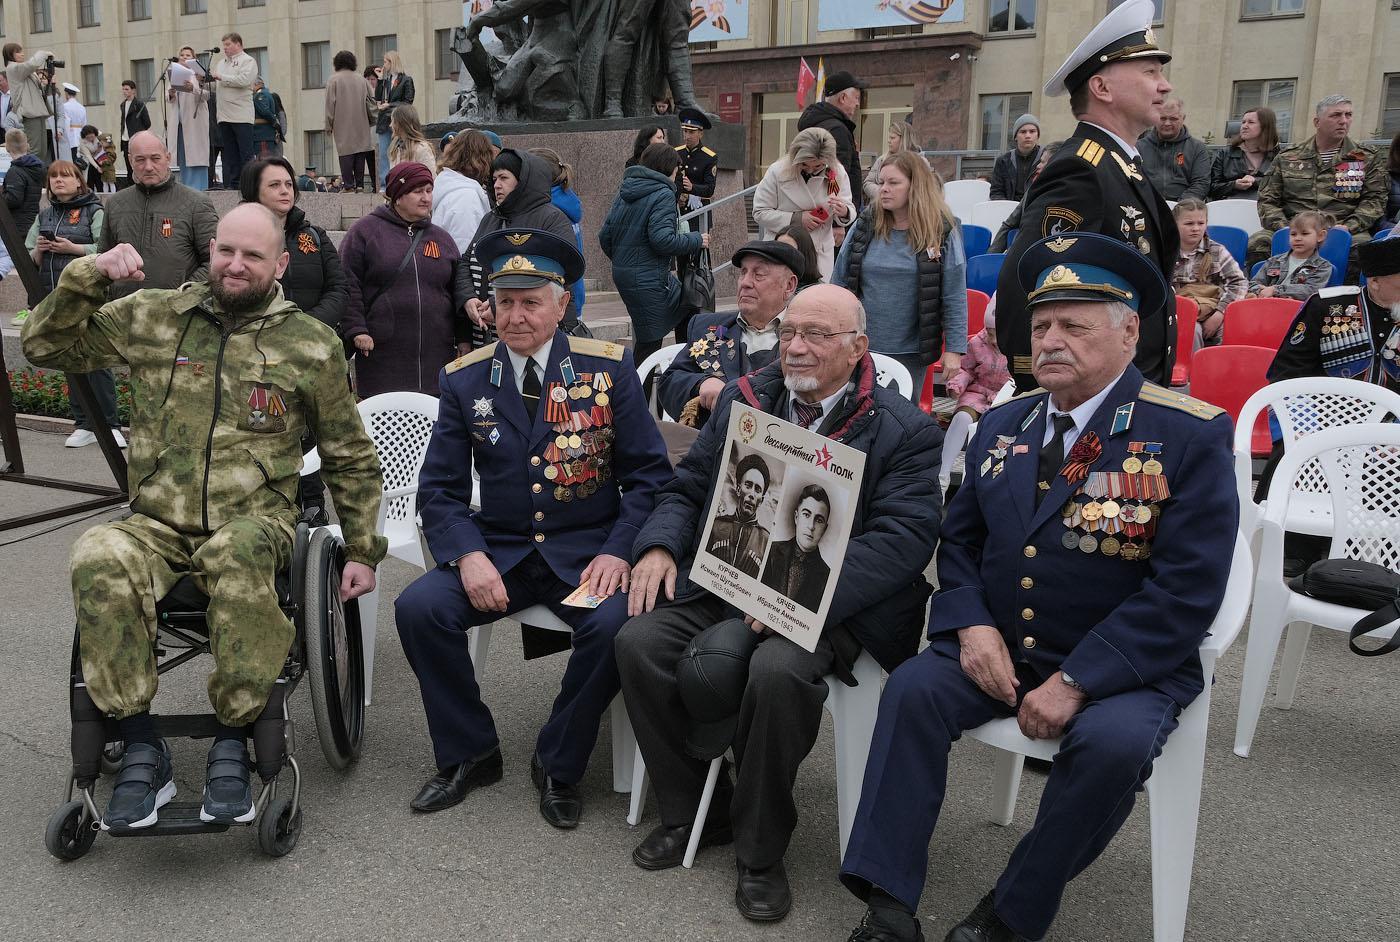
x,y
795,565
747,510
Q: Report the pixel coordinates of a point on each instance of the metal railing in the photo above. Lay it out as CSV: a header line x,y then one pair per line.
x,y
704,215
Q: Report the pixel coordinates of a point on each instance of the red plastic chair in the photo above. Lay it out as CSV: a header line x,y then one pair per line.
x,y
1259,322
977,302
1186,313
1226,376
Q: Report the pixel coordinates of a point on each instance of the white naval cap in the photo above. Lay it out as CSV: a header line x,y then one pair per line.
x,y
70,87
1126,33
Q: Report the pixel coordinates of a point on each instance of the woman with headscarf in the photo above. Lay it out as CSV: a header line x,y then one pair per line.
x,y
809,188
402,316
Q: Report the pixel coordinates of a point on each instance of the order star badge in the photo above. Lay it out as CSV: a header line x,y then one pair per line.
x,y
483,407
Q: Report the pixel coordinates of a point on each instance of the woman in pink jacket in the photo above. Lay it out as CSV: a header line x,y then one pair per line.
x,y
981,376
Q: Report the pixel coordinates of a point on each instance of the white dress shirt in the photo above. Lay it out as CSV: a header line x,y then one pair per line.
x,y
1130,149
828,404
517,362
1081,415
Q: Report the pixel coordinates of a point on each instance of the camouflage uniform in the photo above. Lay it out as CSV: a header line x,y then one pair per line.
x,y
219,407
1353,187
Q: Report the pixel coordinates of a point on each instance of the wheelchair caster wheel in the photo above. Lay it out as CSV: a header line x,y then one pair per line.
x,y
70,832
278,828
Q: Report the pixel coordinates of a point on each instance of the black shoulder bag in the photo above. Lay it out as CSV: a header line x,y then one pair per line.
x,y
1356,584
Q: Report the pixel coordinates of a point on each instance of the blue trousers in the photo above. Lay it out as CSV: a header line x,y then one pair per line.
x,y
1105,757
433,615
383,169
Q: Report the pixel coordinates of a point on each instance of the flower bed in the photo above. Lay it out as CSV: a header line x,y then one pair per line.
x,y
39,392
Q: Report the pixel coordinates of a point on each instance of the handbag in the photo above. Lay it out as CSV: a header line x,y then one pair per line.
x,y
698,284
1356,584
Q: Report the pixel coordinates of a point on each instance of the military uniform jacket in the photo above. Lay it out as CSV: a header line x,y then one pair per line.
x,y
714,350
701,167
1090,185
1063,596
1353,187
576,482
219,406
1340,332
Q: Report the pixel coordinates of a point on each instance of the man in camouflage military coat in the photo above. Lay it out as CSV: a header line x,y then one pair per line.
x,y
226,377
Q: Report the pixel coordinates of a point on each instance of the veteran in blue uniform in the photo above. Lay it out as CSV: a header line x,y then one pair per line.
x,y
569,464
722,347
1079,570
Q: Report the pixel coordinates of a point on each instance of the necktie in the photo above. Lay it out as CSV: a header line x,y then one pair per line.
x,y
1052,456
807,415
530,389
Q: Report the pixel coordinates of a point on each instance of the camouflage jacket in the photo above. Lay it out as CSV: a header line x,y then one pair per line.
x,y
219,407
1354,187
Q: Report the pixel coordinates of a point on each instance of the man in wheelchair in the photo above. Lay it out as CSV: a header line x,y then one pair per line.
x,y
226,376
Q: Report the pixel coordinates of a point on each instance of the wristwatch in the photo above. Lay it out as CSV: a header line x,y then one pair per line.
x,y
1070,681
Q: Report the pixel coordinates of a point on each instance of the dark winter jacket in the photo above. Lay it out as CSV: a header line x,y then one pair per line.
x,y
396,91
314,280
642,236
1011,174
23,185
880,596
1392,204
1178,169
822,114
414,313
78,220
1229,166
171,226
930,286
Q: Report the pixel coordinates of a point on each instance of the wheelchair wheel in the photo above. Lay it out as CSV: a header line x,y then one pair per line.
x,y
334,654
278,828
70,832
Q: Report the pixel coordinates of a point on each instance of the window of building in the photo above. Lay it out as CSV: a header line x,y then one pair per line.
x,y
1159,14
143,73
881,107
1010,16
259,55
1267,93
315,64
998,111
139,10
191,7
252,3
318,151
777,126
884,32
376,46
1390,105
448,62
93,84
1262,8
88,14
41,16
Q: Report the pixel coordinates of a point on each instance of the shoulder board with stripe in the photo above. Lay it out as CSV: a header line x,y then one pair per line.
x,y
476,356
1090,151
1158,396
1340,291
680,147
1037,391
597,348
708,152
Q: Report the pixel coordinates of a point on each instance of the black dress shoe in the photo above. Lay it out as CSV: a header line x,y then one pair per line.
x,y
873,928
664,847
763,895
983,925
450,785
560,804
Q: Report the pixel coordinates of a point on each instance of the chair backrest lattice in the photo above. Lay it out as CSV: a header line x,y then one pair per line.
x,y
400,432
1307,412
1364,482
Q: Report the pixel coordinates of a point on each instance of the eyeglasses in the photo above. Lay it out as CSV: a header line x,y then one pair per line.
x,y
811,335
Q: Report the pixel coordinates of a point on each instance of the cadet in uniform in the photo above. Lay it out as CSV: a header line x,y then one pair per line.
x,y
1095,182
699,164
569,465
226,378
1079,569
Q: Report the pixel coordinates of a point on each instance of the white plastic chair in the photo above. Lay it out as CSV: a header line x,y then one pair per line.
x,y
990,214
657,363
624,741
889,370
962,195
853,711
1173,789
1303,407
1360,465
1242,214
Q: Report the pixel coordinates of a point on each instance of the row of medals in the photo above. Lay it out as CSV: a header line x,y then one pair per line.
x,y
1112,517
1347,323
583,451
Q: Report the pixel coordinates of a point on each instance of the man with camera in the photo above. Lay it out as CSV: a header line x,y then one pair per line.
x,y
27,94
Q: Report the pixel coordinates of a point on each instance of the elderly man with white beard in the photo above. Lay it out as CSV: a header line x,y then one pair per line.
x,y
824,380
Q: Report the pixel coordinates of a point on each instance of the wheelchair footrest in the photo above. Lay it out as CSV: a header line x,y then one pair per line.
x,y
175,818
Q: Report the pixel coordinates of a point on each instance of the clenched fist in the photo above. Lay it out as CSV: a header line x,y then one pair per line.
x,y
121,263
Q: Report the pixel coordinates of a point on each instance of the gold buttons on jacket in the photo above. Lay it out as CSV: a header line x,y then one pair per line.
x,y
539,515
535,460
1027,582
539,537
1027,642
536,488
1029,551
1027,614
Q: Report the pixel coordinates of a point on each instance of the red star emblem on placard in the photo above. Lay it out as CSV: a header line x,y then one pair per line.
x,y
823,457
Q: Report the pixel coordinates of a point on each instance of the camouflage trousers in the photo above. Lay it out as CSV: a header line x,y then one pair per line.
x,y
120,570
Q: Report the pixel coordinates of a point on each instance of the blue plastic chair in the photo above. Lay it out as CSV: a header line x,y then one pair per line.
x,y
976,240
1236,241
1254,272
1336,248
983,272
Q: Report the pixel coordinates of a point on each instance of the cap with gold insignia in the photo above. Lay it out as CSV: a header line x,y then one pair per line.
x,y
1090,267
528,258
693,119
1123,35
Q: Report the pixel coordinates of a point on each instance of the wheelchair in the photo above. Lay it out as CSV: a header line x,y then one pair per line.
x,y
327,650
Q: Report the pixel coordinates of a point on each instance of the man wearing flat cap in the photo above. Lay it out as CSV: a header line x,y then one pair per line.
x,y
722,347
1095,182
836,112
1079,570
824,380
1347,331
569,464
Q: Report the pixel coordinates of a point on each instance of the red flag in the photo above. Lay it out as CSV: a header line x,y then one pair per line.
x,y
806,81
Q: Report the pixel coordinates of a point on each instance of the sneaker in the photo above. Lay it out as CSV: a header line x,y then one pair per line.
x,y
228,788
120,439
79,438
19,319
145,784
